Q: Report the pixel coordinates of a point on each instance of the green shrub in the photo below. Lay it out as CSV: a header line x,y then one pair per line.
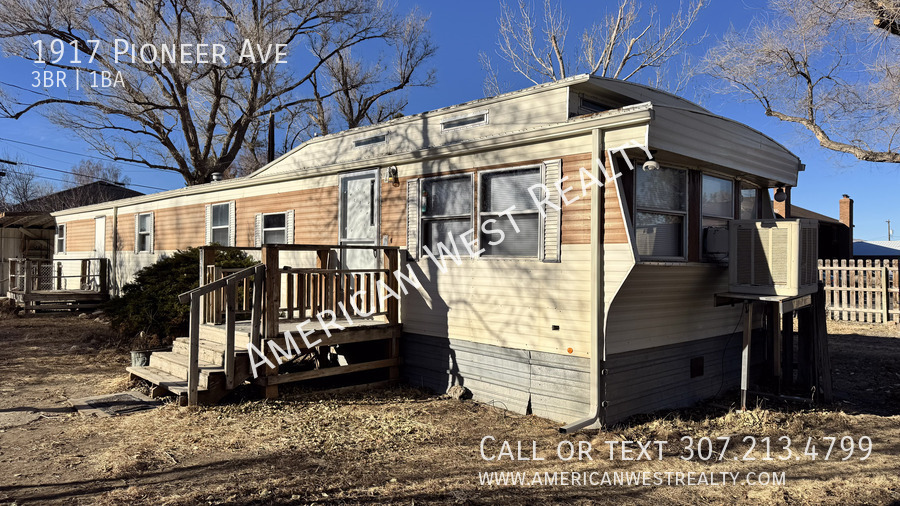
x,y
149,304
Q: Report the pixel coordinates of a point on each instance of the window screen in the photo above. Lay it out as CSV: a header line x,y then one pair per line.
x,y
446,208
220,224
274,228
718,197
143,238
508,191
661,212
749,207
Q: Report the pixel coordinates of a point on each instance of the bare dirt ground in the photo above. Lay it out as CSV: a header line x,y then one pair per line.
x,y
404,446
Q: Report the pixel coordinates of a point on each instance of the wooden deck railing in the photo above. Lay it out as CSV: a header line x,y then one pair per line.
x,y
295,293
27,275
195,297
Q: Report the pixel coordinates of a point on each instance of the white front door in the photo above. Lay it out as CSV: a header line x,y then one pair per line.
x,y
100,236
359,217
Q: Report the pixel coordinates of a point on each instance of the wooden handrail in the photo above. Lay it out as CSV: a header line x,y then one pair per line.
x,y
195,297
185,297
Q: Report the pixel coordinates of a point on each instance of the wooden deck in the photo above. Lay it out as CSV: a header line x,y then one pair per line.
x,y
38,284
45,300
215,357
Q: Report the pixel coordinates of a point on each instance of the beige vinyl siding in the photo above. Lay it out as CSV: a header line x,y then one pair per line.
x,y
661,304
80,235
722,142
509,303
423,131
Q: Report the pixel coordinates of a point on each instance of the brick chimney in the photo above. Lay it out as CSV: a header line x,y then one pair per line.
x,y
783,208
847,217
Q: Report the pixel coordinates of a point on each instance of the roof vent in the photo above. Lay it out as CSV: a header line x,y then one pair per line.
x,y
216,176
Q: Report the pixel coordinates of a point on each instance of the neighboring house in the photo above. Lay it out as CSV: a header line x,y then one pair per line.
x,y
835,236
27,230
599,311
876,249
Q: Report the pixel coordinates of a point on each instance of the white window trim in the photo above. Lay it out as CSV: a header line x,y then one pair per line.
x,y
230,226
485,121
540,251
288,227
685,214
424,219
57,237
137,233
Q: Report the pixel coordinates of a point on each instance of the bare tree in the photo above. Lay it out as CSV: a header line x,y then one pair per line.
x,y
91,171
192,118
20,184
829,66
625,44
349,91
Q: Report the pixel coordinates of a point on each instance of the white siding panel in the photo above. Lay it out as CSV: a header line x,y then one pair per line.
x,y
661,305
723,142
510,303
422,131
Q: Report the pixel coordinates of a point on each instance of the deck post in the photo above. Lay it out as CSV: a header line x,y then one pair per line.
x,y
393,305
207,257
230,296
28,276
745,353
103,266
194,351
256,314
273,303
787,351
775,318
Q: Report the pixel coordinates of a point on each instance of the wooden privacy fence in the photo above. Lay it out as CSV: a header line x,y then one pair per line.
x,y
861,290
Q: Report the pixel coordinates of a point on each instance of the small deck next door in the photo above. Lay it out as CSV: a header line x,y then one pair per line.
x,y
38,284
348,322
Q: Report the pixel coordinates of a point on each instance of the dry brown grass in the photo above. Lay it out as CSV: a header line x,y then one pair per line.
x,y
388,446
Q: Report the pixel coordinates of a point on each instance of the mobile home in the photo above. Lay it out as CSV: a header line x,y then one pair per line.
x,y
610,197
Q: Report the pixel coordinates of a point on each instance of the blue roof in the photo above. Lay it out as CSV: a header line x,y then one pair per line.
x,y
876,248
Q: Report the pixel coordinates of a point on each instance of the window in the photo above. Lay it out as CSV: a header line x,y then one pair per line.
x,y
220,226
592,106
660,212
749,203
144,233
446,208
60,238
465,121
368,141
499,191
274,228
716,207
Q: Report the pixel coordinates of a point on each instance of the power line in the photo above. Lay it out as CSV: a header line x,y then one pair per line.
x,y
92,177
106,158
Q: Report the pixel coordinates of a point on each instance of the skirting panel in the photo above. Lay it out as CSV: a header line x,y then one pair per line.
x,y
544,384
671,376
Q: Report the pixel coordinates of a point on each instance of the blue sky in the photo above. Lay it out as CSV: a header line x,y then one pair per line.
x,y
463,28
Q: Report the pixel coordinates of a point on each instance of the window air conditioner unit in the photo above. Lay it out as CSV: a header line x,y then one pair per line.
x,y
773,257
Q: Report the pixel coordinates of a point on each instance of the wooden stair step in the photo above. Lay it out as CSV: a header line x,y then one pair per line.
x,y
209,351
176,364
159,377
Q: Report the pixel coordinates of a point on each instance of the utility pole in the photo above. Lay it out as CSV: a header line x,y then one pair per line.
x,y
889,229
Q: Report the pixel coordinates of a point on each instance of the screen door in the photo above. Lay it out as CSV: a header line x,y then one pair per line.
x,y
359,220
